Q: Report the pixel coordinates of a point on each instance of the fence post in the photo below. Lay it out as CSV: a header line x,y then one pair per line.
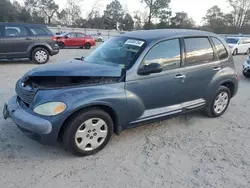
x,y
108,34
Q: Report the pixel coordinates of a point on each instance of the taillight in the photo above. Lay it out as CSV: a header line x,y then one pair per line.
x,y
54,38
237,76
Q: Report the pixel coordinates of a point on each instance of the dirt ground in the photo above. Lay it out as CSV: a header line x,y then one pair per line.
x,y
188,151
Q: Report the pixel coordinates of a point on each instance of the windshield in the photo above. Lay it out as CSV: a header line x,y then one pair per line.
x,y
117,51
232,40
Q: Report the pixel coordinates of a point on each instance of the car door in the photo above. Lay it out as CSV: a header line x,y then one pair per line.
x,y
2,54
81,39
160,93
201,66
242,46
71,40
16,41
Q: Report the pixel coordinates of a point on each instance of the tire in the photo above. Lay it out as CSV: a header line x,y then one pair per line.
x,y
87,46
212,110
40,55
235,52
61,45
247,75
95,138
248,51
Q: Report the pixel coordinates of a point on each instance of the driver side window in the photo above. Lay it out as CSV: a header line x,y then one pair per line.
x,y
166,53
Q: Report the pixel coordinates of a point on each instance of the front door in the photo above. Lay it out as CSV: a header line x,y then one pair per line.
x,y
16,41
160,93
71,40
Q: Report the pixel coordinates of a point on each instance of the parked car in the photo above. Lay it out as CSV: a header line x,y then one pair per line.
x,y
131,79
75,39
239,45
97,37
30,41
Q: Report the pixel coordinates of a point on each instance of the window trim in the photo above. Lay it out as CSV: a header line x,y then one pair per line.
x,y
165,40
4,31
216,51
198,63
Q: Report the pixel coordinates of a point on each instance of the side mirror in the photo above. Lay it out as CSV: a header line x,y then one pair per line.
x,y
150,69
66,37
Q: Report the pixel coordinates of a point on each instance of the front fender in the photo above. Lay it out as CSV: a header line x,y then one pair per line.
x,y
111,95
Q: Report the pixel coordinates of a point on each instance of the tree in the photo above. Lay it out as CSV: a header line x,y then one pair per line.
x,y
181,20
241,12
214,17
114,13
73,10
47,7
155,8
127,23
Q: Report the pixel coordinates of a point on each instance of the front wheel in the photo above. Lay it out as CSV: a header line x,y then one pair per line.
x,y
88,132
40,55
248,51
219,104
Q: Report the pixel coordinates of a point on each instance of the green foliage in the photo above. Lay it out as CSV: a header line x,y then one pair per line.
x,y
114,13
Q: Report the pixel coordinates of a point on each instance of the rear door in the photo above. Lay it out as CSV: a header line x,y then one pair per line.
x,y
17,40
2,54
201,64
81,40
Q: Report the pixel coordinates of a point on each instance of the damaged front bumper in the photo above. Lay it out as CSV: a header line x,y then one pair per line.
x,y
33,126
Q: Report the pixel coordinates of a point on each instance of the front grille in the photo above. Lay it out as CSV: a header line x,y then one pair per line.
x,y
25,93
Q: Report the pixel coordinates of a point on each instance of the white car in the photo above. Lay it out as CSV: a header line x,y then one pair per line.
x,y
239,45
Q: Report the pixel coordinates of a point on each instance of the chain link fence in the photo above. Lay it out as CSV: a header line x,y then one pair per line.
x,y
106,34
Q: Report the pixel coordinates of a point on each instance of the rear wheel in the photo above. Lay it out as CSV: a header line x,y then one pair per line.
x,y
235,52
40,55
248,51
87,46
61,45
219,103
88,132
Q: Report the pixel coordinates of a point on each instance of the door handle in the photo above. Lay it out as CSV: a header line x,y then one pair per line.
x,y
180,76
217,68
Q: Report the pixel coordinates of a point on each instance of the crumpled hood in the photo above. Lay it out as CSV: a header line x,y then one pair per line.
x,y
76,68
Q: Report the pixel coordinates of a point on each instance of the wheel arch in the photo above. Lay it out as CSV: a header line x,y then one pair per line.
x,y
231,86
106,108
32,48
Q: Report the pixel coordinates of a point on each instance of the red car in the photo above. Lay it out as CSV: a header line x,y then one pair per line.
x,y
75,39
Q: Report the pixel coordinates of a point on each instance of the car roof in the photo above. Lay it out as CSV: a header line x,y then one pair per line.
x,y
26,24
157,34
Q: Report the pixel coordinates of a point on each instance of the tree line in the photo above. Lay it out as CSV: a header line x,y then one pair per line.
x,y
158,15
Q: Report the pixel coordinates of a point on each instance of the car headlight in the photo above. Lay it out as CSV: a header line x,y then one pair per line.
x,y
50,108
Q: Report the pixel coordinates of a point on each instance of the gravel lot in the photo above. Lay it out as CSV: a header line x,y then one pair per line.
x,y
187,151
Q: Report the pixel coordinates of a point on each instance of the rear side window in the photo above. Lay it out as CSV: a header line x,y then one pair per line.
x,y
37,31
15,31
166,53
72,35
221,50
80,35
198,51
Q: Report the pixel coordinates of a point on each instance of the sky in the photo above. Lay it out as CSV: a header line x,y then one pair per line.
x,y
196,9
